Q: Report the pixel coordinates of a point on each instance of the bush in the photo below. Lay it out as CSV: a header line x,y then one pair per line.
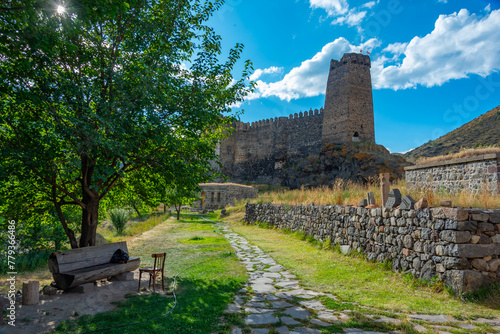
x,y
118,218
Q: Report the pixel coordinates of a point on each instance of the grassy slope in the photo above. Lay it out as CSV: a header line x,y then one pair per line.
x,y
480,131
353,279
203,291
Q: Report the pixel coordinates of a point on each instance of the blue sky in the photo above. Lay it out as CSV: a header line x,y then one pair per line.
x,y
435,63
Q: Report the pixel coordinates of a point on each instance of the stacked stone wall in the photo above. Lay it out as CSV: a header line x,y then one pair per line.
x,y
459,246
473,174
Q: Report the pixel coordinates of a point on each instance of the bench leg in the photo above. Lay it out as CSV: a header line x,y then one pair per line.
x,y
154,281
162,281
139,287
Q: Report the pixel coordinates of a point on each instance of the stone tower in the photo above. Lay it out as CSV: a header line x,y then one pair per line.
x,y
348,112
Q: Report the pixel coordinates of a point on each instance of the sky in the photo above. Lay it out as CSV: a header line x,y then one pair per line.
x,y
435,63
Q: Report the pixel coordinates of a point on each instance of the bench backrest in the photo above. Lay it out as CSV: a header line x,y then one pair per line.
x,y
84,257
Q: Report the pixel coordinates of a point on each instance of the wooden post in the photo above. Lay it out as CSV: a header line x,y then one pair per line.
x,y
31,293
385,187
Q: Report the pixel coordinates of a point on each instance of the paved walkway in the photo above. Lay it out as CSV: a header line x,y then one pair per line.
x,y
274,299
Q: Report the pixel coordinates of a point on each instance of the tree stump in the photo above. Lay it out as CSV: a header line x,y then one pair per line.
x,y
31,294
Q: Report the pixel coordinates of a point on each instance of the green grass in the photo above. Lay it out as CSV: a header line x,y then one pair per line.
x,y
203,290
352,279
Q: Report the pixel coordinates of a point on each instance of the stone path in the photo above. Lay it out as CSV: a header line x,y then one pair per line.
x,y
274,302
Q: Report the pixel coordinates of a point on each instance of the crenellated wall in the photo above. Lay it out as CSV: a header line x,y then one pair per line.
x,y
459,246
257,151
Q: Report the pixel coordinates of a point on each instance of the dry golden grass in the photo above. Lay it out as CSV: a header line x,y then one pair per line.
x,y
350,193
465,153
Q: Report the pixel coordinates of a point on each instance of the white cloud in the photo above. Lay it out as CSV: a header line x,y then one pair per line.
x,y
339,10
332,7
370,4
309,79
442,1
270,70
488,8
460,44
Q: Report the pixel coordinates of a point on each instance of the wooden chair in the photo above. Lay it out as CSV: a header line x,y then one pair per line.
x,y
154,271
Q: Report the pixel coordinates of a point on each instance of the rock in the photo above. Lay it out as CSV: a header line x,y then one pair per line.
x,y
494,264
394,199
474,251
370,198
407,203
363,203
289,321
475,239
261,319
297,312
458,237
345,249
485,227
446,204
455,262
480,264
428,271
482,217
464,281
49,290
421,204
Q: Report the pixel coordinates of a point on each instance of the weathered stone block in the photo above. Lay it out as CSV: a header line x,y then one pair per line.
x,y
450,213
428,271
370,198
495,239
464,281
407,203
363,203
394,199
480,217
474,251
494,264
480,264
458,237
421,204
446,204
495,218
485,227
475,239
455,263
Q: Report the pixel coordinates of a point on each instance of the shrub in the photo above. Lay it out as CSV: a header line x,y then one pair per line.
x,y
118,218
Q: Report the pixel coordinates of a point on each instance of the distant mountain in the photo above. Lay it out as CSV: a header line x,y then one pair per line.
x,y
481,131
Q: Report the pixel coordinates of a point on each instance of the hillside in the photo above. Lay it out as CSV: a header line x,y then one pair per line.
x,y
358,162
481,131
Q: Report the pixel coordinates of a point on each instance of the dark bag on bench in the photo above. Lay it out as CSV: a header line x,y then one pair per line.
x,y
119,257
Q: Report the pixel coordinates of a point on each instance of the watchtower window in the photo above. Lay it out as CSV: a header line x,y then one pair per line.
x,y
218,197
356,134
213,194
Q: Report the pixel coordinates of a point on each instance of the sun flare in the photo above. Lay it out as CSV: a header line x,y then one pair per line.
x,y
60,9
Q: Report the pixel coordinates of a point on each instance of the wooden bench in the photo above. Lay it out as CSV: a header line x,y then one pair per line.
x,y
88,264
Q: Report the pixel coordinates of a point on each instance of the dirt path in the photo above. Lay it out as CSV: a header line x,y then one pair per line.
x,y
52,310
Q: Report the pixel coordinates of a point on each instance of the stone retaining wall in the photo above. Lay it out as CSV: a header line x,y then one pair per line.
x,y
473,173
459,246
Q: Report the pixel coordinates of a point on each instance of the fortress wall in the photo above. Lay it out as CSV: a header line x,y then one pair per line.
x,y
473,173
261,147
304,134
459,246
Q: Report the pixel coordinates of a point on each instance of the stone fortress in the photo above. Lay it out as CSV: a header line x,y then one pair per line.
x,y
259,151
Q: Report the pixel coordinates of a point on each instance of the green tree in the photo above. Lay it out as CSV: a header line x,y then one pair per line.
x,y
104,92
179,195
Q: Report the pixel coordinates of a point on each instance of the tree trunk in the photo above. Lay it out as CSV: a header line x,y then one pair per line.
x,y
136,210
90,218
178,209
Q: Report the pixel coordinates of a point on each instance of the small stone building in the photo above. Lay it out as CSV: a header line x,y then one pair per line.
x,y
218,195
